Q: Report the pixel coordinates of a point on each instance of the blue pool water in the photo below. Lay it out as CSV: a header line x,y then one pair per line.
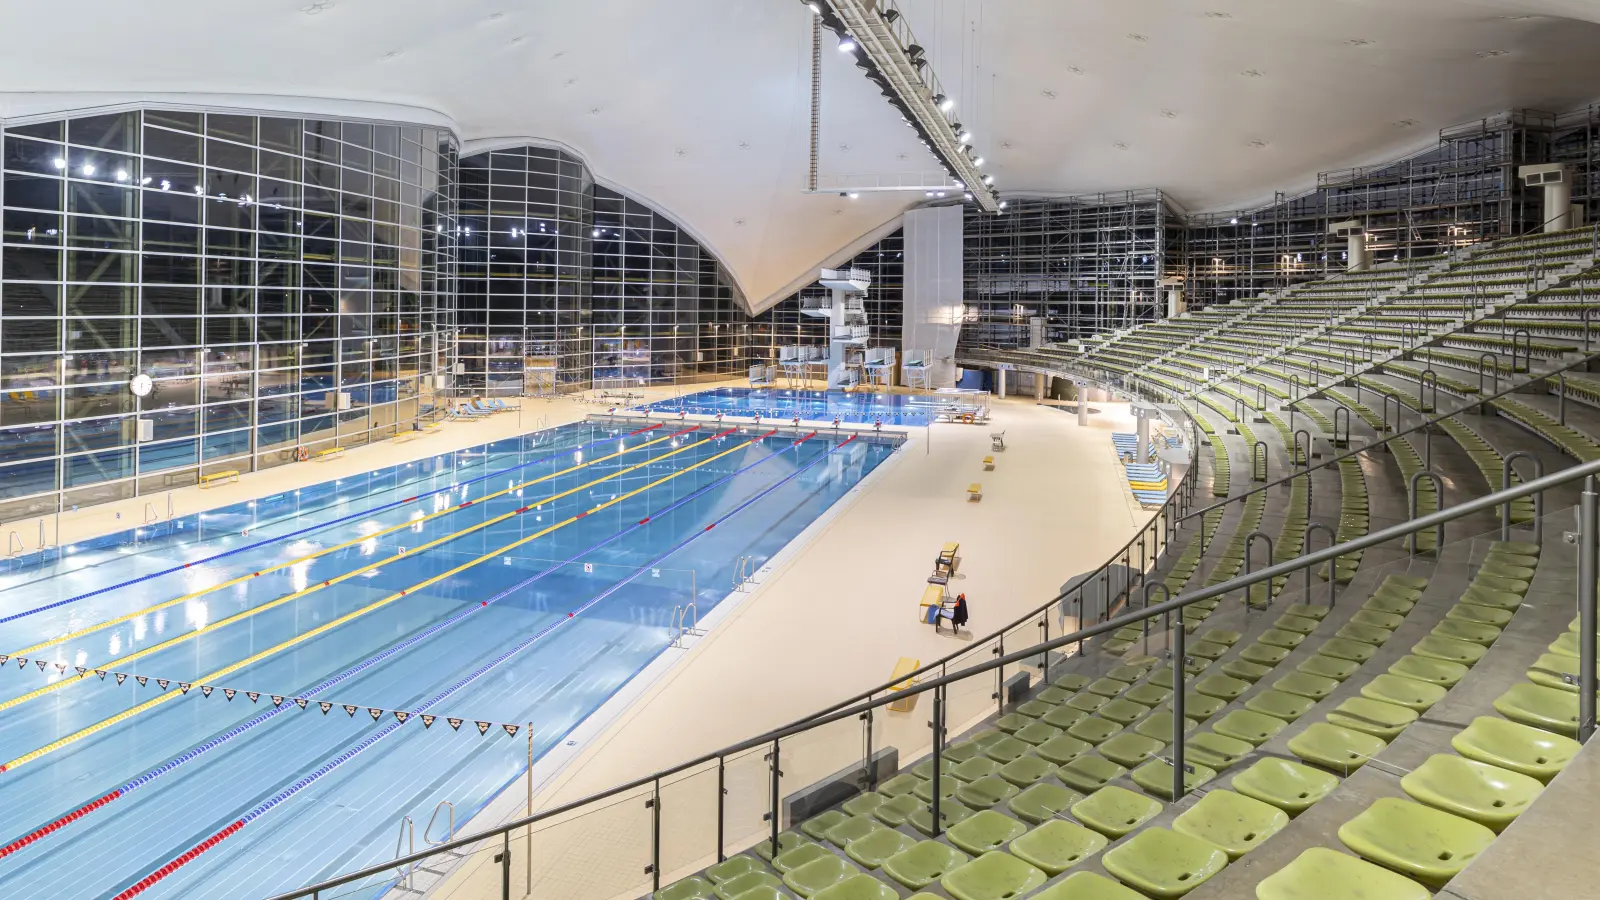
x,y
822,406
492,640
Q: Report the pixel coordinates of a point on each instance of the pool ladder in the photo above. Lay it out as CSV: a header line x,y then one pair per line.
x,y
744,572
679,614
406,844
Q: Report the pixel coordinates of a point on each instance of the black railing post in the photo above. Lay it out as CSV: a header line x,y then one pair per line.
x,y
655,836
1588,559
938,754
1178,673
722,808
776,774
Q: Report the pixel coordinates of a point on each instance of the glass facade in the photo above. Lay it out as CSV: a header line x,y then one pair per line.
x,y
284,282
785,325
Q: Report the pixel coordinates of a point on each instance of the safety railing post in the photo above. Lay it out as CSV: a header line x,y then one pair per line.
x,y
1493,371
938,754
1525,339
1423,386
655,837
1337,440
1249,545
1508,470
1258,461
1178,720
1387,400
1000,676
1302,456
722,809
1561,408
1588,544
776,775
1438,492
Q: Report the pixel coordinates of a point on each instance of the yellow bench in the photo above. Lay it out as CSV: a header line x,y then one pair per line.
x,y
988,464
974,491
431,427
404,437
227,475
330,453
902,680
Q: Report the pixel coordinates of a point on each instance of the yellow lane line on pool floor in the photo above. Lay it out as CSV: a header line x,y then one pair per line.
x,y
288,598
355,614
454,507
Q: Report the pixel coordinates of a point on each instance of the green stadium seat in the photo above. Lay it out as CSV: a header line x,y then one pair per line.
x,y
1389,605
818,875
1232,822
951,812
1407,692
1164,864
1313,686
1155,776
1042,802
1478,595
870,852
732,868
947,787
1219,636
1340,749
1005,749
1366,634
1277,637
1473,632
1246,671
1037,733
1115,811
1010,722
1063,717
962,751
1207,650
993,876
986,792
1280,705
1215,751
1541,707
863,804
1072,682
1556,670
1086,886
1198,706
947,767
787,840
1531,751
1063,749
1296,624
1222,687
1094,730
749,883
1244,725
817,828
1481,615
1054,696
1147,694
1108,687
923,863
1308,611
894,811
1089,773
1424,843
692,888
1025,770
1375,717
764,891
859,886
789,860
1409,582
1323,874
1125,674
984,831
1159,726
1434,671
1286,784
853,829
1375,619
1034,709
1344,648
1130,749
1327,667
1087,702
1486,794
904,783
1057,846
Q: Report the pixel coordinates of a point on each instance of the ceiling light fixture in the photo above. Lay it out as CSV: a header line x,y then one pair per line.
x,y
59,163
978,161
944,103
87,170
964,137
847,44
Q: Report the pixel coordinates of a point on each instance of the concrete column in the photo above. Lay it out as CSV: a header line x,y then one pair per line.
x,y
1000,383
1358,252
1175,303
1556,179
1083,405
1144,439
1040,379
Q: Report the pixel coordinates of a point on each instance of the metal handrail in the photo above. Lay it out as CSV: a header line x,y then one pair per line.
x,y
1384,441
1133,617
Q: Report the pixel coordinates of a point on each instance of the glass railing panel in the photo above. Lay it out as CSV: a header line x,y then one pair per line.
x,y
689,821
596,852
747,778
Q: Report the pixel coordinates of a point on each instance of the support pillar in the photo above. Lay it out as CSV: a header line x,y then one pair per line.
x,y
1143,431
1082,390
1176,305
1040,379
1556,179
1000,383
1355,234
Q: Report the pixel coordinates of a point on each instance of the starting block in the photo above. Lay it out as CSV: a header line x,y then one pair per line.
x,y
988,464
974,492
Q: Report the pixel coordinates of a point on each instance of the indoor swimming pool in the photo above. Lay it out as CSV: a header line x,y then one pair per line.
x,y
915,410
240,703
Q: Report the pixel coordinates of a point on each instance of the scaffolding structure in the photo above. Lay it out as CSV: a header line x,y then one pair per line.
x,y
1083,264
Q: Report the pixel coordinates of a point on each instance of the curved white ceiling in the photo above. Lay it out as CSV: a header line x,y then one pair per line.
x,y
701,106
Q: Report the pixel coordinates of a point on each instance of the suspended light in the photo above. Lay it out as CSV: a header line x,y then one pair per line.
x,y
1003,204
847,44
944,103
978,161
964,138
815,9
853,195
88,169
988,179
59,163
1233,221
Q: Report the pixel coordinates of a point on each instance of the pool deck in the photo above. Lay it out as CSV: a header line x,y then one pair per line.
x,y
828,622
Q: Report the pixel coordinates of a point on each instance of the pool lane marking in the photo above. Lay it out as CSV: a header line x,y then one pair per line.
x,y
329,524
173,764
267,570
337,579
82,733
239,824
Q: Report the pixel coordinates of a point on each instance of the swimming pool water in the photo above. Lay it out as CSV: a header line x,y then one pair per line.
x,y
492,640
775,403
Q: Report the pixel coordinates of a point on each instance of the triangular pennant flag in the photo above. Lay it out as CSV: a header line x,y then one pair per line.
x,y
401,717
184,686
229,693
62,668
121,677
324,706
511,729
427,721
301,702
455,724
253,695
5,658
142,679
163,683
81,671
41,664
376,713
101,673
350,710
206,689
277,700
22,662
483,728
